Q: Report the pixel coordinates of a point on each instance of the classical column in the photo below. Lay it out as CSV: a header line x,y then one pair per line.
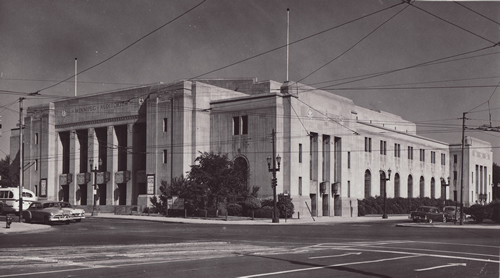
x,y
112,193
130,162
74,165
92,153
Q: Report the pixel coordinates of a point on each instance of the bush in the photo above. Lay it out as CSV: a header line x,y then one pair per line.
x,y
285,205
480,212
234,209
264,212
375,205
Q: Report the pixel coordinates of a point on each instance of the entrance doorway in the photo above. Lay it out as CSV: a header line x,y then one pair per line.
x,y
83,194
326,209
314,207
337,206
122,198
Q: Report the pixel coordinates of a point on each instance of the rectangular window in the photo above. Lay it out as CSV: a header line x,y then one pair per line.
x,y
383,147
236,125
165,156
397,150
244,124
422,155
36,164
348,160
455,159
368,144
165,124
443,159
240,125
300,186
300,153
433,157
349,189
36,138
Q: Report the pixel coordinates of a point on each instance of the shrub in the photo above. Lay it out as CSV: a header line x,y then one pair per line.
x,y
234,209
375,205
264,212
285,205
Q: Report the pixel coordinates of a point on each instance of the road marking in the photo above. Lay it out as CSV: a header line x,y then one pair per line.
x,y
441,266
419,254
333,256
326,266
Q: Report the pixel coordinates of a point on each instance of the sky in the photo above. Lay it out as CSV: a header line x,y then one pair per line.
x,y
428,62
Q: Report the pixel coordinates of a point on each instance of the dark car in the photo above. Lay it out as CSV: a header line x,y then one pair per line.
x,y
427,214
47,212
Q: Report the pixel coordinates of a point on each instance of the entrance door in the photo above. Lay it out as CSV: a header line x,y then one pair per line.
x,y
326,210
83,194
122,188
64,196
337,206
314,207
102,194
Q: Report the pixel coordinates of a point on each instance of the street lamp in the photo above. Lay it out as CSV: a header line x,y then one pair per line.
x,y
384,179
274,181
91,161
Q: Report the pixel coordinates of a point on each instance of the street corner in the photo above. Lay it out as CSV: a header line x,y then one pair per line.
x,y
17,227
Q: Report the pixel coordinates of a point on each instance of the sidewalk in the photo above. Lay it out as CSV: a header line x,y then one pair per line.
x,y
403,220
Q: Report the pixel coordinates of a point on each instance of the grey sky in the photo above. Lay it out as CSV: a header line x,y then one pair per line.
x,y
40,39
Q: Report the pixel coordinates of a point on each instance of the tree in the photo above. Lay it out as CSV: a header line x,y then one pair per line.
x,y
216,178
6,180
496,180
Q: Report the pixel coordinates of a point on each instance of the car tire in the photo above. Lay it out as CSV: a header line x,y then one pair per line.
x,y
444,219
46,220
78,220
67,222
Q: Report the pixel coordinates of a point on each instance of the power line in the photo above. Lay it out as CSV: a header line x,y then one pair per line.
x,y
362,39
476,12
127,47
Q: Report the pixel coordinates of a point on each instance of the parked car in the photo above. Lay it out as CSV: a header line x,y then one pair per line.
x,y
452,213
428,214
76,213
47,212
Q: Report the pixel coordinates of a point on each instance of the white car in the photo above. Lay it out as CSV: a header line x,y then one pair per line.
x,y
76,213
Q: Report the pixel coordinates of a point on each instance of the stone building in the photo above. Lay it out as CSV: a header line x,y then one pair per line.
x,y
333,151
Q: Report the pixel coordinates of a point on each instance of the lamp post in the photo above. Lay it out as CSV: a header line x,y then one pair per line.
x,y
91,161
384,179
274,181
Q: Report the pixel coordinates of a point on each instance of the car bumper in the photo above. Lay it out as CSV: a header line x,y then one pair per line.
x,y
60,218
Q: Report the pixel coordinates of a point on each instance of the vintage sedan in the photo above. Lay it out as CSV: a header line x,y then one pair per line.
x,y
47,212
427,214
76,213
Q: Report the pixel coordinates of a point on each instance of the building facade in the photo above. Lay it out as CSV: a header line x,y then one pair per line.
x,y
333,152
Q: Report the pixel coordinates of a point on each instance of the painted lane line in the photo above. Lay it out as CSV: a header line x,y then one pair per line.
x,y
420,254
441,266
440,251
326,266
333,256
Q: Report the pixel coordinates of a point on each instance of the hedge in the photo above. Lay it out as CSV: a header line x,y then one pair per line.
x,y
375,205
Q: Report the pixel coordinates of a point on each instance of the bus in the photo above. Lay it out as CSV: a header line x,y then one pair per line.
x,y
9,199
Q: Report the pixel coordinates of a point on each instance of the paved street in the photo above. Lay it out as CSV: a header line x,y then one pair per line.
x,y
99,247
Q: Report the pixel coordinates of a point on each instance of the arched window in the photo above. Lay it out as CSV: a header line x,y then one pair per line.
x,y
397,182
241,165
433,188
410,186
368,184
422,187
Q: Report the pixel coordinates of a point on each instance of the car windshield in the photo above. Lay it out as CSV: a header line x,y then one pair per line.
x,y
65,205
50,205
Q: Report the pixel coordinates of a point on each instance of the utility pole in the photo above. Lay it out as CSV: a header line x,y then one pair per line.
x,y
462,173
21,160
